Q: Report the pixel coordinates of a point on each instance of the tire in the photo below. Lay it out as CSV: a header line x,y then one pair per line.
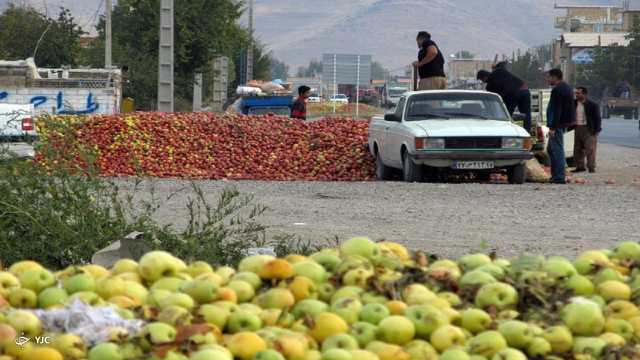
x,y
516,174
571,162
411,172
483,176
383,172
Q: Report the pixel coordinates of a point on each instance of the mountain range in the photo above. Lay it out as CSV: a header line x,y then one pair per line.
x,y
298,31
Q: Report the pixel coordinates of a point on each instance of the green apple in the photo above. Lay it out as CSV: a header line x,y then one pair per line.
x,y
621,309
226,273
326,291
589,346
227,305
453,268
509,354
447,336
214,353
254,263
8,281
348,309
426,319
23,298
417,294
177,299
373,298
310,269
36,279
171,283
364,333
276,298
539,348
559,269
244,291
136,291
353,262
357,277
337,354
503,263
560,338
241,321
340,341
452,298
627,251
583,317
363,355
215,315
175,316
124,266
158,333
52,296
156,295
79,282
158,264
361,246
374,313
620,327
347,292
580,285
396,329
198,267
328,259
607,275
493,269
455,354
268,354
110,287
476,278
421,350
500,295
251,278
106,351
585,266
487,343
473,261
201,291
89,298
614,290
71,346
251,308
26,322
517,333
309,307
475,320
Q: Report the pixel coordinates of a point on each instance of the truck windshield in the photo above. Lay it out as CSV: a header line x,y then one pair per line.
x,y
451,105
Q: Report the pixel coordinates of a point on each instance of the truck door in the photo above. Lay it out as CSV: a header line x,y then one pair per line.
x,y
393,137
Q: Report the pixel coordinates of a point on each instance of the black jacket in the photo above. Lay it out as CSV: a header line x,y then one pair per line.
x,y
561,112
504,83
592,113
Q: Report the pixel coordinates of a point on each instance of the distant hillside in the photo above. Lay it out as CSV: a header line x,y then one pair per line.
x,y
298,31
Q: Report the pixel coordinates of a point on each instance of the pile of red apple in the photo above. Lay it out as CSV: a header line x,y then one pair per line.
x,y
361,301
209,146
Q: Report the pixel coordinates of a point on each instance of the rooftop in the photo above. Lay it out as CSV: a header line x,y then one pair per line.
x,y
632,5
584,40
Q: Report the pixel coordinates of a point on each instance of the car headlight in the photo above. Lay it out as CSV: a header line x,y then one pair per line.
x,y
517,143
429,143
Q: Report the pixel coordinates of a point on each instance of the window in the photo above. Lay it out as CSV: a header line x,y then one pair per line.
x,y
456,105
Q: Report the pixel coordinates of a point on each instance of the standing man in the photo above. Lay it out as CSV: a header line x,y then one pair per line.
x,y
561,114
299,109
588,126
430,64
513,90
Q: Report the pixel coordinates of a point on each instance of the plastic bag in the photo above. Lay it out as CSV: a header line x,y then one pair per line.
x,y
534,172
271,87
92,324
248,90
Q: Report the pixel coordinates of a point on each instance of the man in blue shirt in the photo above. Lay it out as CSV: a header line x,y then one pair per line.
x,y
561,115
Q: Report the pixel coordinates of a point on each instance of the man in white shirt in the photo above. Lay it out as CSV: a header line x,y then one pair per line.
x,y
588,126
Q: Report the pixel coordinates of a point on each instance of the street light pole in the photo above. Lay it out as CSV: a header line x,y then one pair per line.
x,y
250,49
108,36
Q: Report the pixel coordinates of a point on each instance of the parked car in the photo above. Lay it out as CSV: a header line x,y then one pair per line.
x,y
443,131
339,98
394,94
17,130
314,99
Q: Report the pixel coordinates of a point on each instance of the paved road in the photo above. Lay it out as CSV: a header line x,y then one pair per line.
x,y
621,132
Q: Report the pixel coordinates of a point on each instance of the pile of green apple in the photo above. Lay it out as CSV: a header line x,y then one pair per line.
x,y
361,301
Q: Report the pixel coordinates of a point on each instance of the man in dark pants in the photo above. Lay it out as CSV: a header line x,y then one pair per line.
x,y
514,91
588,126
561,115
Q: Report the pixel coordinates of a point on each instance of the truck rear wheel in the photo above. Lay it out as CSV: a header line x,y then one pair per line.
x,y
411,172
516,174
383,172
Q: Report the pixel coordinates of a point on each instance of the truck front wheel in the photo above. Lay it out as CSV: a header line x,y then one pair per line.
x,y
383,172
411,172
516,174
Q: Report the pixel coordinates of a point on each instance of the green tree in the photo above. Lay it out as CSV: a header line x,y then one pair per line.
x,y
378,71
279,70
529,65
22,28
465,55
314,69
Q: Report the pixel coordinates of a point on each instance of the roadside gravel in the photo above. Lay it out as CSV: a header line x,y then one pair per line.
x,y
451,219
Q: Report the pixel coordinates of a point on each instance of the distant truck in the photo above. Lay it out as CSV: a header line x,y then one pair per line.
x,y
17,130
394,93
620,102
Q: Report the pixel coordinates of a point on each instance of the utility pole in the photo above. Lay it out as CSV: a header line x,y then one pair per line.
x,y
165,58
250,49
108,38
358,88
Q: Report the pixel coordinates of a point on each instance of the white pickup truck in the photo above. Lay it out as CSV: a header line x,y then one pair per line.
x,y
434,132
17,130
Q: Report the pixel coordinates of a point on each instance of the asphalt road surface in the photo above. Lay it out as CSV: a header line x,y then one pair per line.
x,y
621,132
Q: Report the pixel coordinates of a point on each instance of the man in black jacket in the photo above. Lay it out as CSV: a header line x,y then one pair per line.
x,y
588,126
561,115
513,91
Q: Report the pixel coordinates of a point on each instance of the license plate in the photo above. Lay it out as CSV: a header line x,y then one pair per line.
x,y
474,165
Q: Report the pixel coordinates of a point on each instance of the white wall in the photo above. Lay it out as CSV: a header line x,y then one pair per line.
x,y
65,101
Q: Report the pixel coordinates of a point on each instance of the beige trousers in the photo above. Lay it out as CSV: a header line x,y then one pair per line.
x,y
433,83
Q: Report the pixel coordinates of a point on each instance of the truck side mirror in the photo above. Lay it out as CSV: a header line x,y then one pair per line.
x,y
391,117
